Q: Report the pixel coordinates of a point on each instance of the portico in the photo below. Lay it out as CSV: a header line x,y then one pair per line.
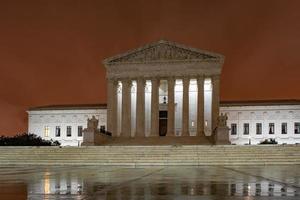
x,y
163,88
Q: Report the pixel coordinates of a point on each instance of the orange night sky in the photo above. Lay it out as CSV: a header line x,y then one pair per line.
x,y
51,51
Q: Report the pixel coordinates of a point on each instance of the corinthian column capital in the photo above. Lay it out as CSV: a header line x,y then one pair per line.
x,y
127,82
155,79
186,79
200,78
171,78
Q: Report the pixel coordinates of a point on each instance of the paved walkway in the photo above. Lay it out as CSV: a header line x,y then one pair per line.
x,y
207,182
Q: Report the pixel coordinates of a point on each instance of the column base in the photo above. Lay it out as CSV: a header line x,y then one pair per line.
x,y
186,134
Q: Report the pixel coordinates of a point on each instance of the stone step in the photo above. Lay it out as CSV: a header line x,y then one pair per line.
x,y
147,158
157,152
78,161
150,158
152,155
152,147
140,150
158,155
237,163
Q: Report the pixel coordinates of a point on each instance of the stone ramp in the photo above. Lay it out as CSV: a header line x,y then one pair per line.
x,y
187,155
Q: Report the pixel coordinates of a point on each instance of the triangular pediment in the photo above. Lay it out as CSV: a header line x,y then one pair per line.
x,y
162,51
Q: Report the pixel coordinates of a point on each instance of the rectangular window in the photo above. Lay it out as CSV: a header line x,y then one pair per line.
x,y
69,131
297,127
246,129
79,131
258,128
271,128
284,128
233,129
57,131
46,131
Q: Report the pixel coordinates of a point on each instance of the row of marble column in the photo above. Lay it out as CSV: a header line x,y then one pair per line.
x,y
140,106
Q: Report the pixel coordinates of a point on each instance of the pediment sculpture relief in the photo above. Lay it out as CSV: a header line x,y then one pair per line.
x,y
160,51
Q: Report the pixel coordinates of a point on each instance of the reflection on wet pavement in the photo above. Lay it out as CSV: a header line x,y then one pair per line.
x,y
205,182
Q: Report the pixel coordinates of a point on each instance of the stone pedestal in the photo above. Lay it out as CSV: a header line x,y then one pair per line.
x,y
221,136
94,138
89,137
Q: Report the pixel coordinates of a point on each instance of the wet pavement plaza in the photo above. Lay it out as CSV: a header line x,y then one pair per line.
x,y
203,182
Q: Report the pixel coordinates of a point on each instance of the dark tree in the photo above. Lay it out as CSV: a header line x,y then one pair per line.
x,y
269,141
26,140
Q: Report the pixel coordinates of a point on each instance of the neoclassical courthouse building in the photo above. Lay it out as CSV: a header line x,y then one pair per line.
x,y
167,89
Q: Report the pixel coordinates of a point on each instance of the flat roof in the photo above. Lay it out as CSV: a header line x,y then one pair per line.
x,y
222,104
69,107
274,102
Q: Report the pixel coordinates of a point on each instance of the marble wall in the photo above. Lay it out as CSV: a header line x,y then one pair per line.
x,y
39,120
239,115
252,115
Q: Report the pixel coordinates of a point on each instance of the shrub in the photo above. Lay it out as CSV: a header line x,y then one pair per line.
x,y
103,131
269,141
26,140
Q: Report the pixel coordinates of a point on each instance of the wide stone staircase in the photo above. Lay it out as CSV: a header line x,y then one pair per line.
x,y
192,155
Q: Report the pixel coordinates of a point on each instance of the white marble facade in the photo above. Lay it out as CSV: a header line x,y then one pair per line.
x,y
252,114
166,76
163,79
279,121
52,122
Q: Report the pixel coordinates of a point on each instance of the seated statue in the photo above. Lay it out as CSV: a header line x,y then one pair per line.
x,y
222,120
221,134
92,124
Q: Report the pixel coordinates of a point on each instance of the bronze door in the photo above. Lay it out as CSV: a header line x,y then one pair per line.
x,y
163,123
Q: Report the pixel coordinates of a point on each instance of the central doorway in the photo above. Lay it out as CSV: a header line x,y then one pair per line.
x,y
163,122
